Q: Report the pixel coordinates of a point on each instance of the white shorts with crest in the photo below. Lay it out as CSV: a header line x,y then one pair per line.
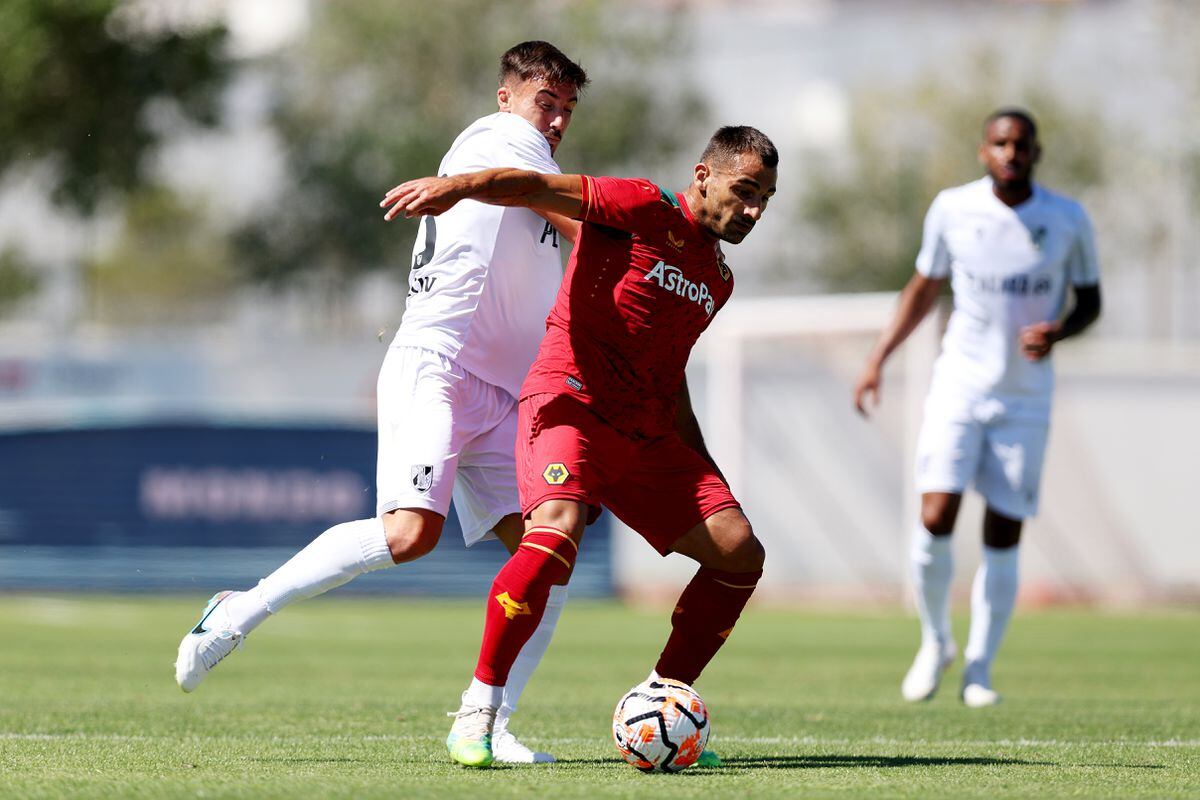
x,y
445,434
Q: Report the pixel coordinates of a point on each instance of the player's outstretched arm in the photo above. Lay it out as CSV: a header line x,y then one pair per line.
x,y
558,194
916,299
1038,339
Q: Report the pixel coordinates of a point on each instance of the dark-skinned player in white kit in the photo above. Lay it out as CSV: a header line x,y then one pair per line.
x,y
1011,249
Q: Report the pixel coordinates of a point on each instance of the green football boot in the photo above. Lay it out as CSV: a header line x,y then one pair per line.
x,y
470,739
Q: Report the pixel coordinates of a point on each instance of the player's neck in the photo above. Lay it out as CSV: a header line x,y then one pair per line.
x,y
695,208
1013,195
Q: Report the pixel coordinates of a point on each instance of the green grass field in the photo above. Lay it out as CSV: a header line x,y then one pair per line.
x,y
347,698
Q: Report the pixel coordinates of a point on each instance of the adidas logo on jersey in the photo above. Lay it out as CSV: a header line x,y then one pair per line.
x,y
671,278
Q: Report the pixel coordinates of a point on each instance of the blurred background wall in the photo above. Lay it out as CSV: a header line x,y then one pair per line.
x,y
197,288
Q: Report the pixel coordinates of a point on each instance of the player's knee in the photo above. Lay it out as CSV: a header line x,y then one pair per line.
x,y
939,524
753,557
411,535
1001,532
938,515
747,553
568,516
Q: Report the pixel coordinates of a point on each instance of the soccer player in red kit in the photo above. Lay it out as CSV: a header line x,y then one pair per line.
x,y
605,417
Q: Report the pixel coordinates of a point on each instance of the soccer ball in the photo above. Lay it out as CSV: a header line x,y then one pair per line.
x,y
661,726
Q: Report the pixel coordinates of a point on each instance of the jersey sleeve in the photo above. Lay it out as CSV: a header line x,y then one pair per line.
x,y
633,205
1083,267
933,261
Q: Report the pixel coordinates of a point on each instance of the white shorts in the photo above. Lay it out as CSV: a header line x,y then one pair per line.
x,y
445,434
994,444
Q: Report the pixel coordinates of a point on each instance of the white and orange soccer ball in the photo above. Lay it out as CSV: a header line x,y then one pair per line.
x,y
661,726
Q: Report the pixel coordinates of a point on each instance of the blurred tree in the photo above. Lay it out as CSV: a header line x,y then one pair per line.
x,y
379,89
862,219
17,279
166,267
90,87
79,78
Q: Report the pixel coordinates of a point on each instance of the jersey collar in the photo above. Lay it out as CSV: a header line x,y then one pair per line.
x,y
1035,194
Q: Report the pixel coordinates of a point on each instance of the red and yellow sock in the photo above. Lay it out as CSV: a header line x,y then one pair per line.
x,y
704,617
518,596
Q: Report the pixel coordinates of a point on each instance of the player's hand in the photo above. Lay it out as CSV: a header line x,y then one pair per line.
x,y
1038,339
868,384
421,197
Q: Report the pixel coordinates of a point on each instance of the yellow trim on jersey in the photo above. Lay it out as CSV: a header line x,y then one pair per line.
x,y
588,189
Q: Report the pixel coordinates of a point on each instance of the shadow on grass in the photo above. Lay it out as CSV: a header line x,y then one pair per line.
x,y
827,761
495,767
811,762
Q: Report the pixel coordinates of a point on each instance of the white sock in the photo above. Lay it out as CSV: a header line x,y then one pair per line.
x,y
483,694
531,654
246,610
932,562
993,596
335,557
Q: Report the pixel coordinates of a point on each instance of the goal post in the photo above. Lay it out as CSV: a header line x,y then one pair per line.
x,y
831,494
772,384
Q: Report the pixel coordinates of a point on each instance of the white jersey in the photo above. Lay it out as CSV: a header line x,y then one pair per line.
x,y
484,277
1009,267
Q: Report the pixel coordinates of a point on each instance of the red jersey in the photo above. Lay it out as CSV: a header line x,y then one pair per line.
x,y
644,281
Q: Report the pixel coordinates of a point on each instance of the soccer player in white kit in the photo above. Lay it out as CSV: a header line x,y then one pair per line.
x,y
483,280
1011,248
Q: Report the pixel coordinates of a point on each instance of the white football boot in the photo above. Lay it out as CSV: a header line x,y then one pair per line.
x,y
508,749
205,645
977,691
925,675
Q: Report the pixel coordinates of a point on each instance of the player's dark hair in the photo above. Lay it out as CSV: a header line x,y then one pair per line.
x,y
1014,112
537,59
733,140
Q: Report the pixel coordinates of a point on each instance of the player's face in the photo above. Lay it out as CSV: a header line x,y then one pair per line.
x,y
545,105
734,196
1008,152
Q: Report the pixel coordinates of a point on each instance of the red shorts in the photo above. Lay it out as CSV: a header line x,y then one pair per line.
x,y
660,488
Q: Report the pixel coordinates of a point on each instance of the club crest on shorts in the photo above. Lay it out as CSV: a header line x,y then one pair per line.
x,y
556,474
422,477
